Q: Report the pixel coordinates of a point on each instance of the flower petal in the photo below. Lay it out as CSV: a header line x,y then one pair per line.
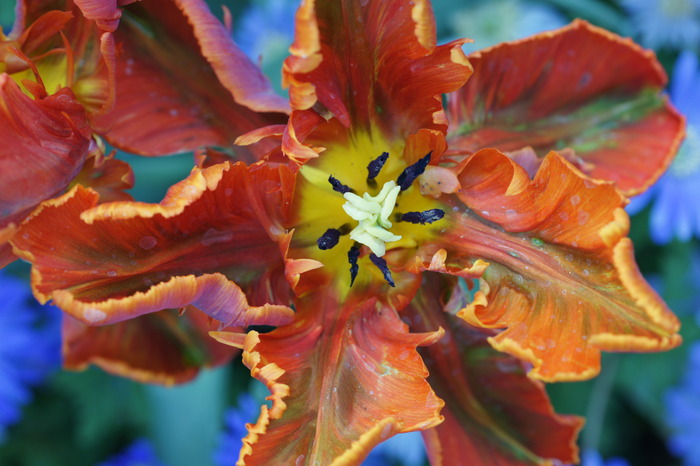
x,y
213,232
182,83
108,176
562,279
343,377
45,142
579,87
373,62
159,348
494,413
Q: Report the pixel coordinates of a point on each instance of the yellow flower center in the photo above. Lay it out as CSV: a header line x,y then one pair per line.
x,y
355,203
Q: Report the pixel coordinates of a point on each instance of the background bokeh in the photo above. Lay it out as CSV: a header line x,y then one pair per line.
x,y
644,409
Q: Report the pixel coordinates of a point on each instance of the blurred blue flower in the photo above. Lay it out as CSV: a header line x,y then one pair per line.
x,y
405,449
593,458
139,453
676,211
496,21
264,32
665,23
30,347
235,420
683,412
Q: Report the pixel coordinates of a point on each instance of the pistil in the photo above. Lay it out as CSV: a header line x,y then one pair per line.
x,y
372,213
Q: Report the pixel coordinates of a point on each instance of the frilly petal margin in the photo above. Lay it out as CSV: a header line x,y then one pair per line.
x,y
213,233
562,281
343,377
392,42
577,87
163,347
45,143
183,84
494,414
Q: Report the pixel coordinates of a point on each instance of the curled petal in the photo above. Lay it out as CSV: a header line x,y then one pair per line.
x,y
353,366
562,280
45,143
159,348
391,42
212,234
183,84
494,413
579,87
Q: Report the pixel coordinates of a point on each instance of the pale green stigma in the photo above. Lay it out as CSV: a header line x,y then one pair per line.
x,y
372,213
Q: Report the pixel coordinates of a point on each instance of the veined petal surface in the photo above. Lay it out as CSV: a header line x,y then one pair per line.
x,y
212,234
162,347
562,281
494,414
183,84
343,377
373,63
578,87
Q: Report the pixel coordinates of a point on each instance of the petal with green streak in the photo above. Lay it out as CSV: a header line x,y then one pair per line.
x,y
162,347
343,377
562,281
494,413
372,63
182,83
578,87
214,236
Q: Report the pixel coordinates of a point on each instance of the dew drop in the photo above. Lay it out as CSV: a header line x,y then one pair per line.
x,y
147,242
510,214
583,217
564,216
570,257
575,199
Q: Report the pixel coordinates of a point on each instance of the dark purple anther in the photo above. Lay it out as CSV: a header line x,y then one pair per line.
x,y
338,186
353,255
409,175
375,166
427,216
381,265
329,239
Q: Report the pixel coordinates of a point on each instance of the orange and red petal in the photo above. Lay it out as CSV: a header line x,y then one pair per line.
x,y
183,84
45,143
109,177
494,413
163,347
578,87
562,281
214,236
343,377
371,63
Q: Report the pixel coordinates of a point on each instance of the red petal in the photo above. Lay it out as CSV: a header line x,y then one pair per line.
x,y
156,348
494,413
182,83
579,87
45,143
562,280
343,377
371,63
109,177
214,231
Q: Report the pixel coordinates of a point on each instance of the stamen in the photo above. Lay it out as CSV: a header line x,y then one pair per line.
x,y
410,173
374,167
338,186
329,239
353,255
427,216
381,265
